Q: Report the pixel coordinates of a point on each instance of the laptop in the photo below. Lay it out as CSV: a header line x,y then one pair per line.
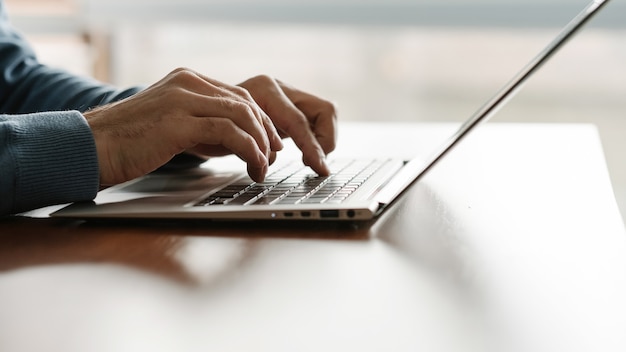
x,y
357,189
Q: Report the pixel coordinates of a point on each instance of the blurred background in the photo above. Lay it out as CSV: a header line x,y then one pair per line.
x,y
378,60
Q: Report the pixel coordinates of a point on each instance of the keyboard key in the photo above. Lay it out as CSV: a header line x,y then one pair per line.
x,y
242,199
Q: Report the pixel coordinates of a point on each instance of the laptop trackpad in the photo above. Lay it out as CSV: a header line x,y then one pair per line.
x,y
176,182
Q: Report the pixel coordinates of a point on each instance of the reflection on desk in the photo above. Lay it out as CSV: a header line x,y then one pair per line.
x,y
512,243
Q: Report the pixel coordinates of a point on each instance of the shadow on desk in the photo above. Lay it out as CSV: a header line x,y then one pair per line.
x,y
418,227
152,246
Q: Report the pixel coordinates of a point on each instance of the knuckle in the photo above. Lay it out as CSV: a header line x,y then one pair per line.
x,y
183,76
239,90
264,79
178,69
243,93
241,108
217,128
300,121
328,108
250,141
225,126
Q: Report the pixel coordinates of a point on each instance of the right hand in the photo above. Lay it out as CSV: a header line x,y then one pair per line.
x,y
183,111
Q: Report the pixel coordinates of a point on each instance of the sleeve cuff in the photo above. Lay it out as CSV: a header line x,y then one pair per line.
x,y
55,160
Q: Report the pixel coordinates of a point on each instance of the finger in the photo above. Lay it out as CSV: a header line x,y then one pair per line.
x,y
276,143
244,96
239,112
214,87
288,118
321,113
225,133
297,127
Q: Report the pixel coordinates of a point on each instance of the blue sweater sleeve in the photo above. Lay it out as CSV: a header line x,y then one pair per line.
x,y
47,151
45,159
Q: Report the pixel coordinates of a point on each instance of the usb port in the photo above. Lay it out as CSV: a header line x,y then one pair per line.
x,y
329,213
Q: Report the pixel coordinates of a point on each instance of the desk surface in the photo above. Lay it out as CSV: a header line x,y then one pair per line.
x,y
512,243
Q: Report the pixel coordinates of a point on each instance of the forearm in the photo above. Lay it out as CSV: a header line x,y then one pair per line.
x,y
46,159
46,89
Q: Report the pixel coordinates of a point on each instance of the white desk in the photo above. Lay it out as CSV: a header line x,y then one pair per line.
x,y
513,243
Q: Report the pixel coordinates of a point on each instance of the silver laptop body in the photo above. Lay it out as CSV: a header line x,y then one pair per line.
x,y
357,189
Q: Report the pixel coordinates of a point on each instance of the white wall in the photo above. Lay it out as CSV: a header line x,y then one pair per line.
x,y
416,12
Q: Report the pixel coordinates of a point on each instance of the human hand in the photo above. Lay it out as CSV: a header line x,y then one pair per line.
x,y
184,111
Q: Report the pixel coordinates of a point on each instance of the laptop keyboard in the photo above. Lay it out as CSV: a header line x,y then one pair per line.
x,y
297,184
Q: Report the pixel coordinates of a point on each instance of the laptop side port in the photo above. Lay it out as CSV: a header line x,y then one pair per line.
x,y
329,213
